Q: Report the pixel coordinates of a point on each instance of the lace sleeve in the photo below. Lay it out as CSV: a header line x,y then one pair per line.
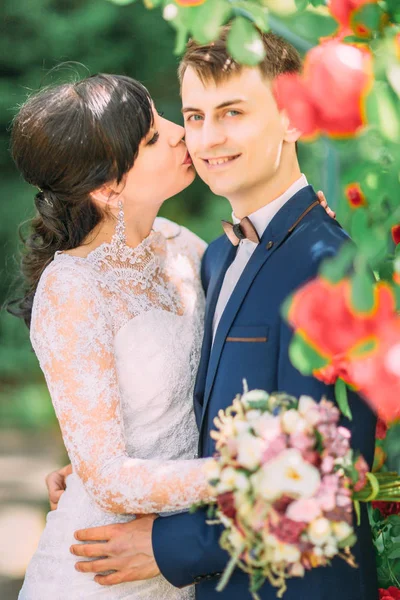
x,y
72,337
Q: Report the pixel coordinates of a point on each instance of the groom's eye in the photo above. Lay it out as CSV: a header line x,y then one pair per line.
x,y
194,118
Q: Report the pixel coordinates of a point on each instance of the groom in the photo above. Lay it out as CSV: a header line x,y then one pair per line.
x,y
244,148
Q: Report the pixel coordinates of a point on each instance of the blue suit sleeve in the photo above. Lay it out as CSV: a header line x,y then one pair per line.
x,y
187,549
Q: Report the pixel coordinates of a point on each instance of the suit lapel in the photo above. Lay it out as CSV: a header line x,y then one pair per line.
x,y
275,234
227,255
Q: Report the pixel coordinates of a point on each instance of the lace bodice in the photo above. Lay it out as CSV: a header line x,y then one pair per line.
x,y
118,337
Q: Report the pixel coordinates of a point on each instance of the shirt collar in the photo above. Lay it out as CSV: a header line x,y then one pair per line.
x,y
262,217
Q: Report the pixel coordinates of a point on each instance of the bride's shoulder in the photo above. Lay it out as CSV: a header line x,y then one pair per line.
x,y
182,235
65,275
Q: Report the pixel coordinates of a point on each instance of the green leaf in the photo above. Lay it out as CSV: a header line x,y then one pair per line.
x,y
304,357
369,15
122,2
254,12
341,398
359,226
362,291
394,552
244,43
206,20
382,111
334,269
301,4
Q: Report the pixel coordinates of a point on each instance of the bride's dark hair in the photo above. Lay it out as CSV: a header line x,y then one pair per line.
x,y
68,140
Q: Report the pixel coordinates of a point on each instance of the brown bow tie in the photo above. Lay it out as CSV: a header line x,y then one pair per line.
x,y
244,230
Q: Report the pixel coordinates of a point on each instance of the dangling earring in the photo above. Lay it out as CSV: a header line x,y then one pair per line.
x,y
120,228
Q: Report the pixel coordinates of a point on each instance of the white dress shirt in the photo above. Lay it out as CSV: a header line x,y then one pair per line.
x,y
260,219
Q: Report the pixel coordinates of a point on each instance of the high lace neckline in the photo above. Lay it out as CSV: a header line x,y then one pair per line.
x,y
152,247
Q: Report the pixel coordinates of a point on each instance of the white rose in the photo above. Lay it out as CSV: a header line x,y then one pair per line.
x,y
267,426
330,549
297,570
228,477
241,482
250,450
292,421
212,470
342,530
319,531
306,403
240,426
254,396
288,474
286,552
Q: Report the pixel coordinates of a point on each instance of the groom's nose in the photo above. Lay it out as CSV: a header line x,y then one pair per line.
x,y
212,134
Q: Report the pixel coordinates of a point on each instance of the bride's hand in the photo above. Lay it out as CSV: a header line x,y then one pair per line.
x,y
55,483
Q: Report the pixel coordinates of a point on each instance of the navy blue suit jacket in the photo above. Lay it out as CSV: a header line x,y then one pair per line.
x,y
292,247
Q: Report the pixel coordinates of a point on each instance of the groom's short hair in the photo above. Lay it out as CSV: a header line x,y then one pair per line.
x,y
213,62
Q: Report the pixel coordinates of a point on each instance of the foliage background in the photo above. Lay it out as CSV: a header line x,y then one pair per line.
x,y
93,36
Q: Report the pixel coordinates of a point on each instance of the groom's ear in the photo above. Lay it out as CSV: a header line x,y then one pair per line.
x,y
292,134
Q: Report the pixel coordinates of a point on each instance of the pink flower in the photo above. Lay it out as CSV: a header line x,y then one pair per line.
x,y
362,469
329,413
301,441
304,510
275,447
327,464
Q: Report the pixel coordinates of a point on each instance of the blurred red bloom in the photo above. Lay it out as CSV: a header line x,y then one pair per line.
x,y
396,234
381,429
343,11
377,374
322,311
355,195
343,69
362,348
226,503
387,509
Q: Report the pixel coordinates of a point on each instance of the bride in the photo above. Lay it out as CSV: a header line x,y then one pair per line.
x,y
115,307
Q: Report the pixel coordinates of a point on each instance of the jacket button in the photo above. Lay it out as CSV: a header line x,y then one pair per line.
x,y
269,245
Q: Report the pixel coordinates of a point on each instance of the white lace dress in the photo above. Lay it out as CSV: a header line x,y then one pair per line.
x,y
118,337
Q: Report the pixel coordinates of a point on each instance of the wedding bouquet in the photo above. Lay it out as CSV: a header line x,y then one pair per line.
x,y
285,480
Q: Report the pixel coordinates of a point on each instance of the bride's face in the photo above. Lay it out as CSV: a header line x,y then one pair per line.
x,y
163,166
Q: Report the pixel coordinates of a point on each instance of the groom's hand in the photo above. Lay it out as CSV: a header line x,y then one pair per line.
x,y
55,483
127,550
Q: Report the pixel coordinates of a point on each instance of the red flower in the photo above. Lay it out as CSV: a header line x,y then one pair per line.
x,y
381,430
379,459
323,313
226,503
392,593
377,375
343,10
362,348
396,234
287,531
343,69
387,508
355,195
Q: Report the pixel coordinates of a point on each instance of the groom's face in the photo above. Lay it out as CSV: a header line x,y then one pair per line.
x,y
234,130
